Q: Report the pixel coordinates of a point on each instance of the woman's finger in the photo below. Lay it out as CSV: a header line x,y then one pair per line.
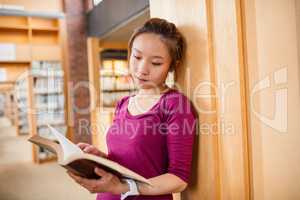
x,y
100,172
83,145
87,183
89,149
78,179
93,150
102,154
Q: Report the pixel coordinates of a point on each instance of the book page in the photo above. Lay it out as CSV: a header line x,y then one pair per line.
x,y
68,147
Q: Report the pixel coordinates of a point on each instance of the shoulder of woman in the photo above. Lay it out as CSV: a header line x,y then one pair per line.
x,y
175,98
177,101
121,102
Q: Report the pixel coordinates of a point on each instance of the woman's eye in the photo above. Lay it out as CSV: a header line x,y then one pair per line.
x,y
137,57
156,64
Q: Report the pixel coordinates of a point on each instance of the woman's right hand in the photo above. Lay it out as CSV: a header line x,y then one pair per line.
x,y
87,148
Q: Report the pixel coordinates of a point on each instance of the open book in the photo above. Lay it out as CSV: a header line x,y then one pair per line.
x,y
83,164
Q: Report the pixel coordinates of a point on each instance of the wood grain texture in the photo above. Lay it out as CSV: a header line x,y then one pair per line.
x,y
212,77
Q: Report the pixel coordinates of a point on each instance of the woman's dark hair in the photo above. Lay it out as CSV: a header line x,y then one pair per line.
x,y
170,35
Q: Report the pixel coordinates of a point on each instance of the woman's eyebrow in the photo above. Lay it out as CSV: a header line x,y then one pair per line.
x,y
139,51
158,57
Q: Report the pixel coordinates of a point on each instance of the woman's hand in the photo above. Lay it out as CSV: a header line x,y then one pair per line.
x,y
107,183
87,148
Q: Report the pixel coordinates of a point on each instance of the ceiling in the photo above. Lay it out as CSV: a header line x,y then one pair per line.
x,y
122,32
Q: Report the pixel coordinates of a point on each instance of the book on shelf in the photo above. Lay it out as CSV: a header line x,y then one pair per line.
x,y
71,157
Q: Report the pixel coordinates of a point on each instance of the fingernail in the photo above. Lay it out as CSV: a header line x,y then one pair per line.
x,y
97,169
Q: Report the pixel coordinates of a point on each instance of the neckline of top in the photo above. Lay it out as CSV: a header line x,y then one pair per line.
x,y
129,115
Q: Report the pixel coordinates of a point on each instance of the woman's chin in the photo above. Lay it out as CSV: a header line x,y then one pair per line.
x,y
143,86
146,86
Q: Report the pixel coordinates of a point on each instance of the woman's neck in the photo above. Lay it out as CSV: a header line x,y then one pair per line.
x,y
153,91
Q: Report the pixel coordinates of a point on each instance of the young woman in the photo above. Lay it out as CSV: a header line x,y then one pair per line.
x,y
153,131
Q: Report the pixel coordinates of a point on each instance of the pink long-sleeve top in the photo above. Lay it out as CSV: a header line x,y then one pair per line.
x,y
153,143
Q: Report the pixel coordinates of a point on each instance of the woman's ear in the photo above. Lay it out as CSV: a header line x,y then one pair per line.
x,y
173,67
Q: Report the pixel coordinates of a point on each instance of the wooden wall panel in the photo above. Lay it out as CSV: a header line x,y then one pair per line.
x,y
233,146
193,78
273,60
213,78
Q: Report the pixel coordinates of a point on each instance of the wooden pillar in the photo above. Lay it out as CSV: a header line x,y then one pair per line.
x,y
94,70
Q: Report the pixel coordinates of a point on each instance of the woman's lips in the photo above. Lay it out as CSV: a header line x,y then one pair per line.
x,y
141,80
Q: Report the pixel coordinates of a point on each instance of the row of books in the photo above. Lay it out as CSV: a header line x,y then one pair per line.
x,y
44,118
116,83
49,85
44,154
125,82
109,99
45,131
49,100
113,90
2,104
114,67
24,129
21,95
21,89
47,69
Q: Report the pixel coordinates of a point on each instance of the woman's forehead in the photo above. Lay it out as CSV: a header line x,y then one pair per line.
x,y
150,45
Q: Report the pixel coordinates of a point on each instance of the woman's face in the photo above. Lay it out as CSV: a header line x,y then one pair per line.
x,y
149,61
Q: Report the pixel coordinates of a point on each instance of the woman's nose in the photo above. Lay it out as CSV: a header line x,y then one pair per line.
x,y
143,69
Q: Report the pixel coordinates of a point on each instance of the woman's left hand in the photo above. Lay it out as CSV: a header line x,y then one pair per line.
x,y
107,183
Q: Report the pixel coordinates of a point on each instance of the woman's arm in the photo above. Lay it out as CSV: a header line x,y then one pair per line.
x,y
163,184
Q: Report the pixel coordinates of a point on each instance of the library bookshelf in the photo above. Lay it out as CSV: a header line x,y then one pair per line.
x,y
34,44
8,101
